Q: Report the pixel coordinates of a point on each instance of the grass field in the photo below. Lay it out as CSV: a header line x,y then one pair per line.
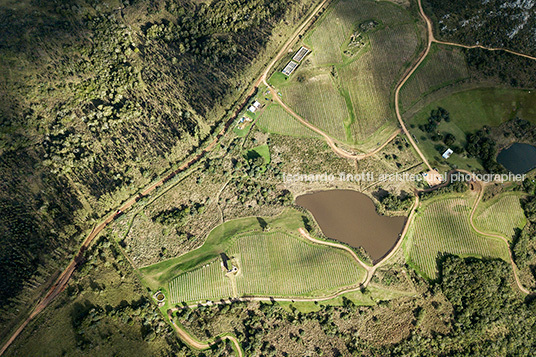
x,y
469,111
276,120
349,96
442,227
501,214
369,81
262,151
442,67
270,264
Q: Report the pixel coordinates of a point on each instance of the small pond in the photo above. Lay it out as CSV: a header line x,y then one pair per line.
x,y
518,158
350,217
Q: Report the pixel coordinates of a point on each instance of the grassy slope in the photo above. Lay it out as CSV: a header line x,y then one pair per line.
x,y
276,120
442,67
469,111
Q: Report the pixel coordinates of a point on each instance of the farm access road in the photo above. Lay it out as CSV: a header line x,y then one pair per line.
x,y
187,338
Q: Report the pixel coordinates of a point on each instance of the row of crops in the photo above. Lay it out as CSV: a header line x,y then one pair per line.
x,y
502,216
350,98
274,264
279,265
320,103
443,227
205,283
370,79
276,120
442,67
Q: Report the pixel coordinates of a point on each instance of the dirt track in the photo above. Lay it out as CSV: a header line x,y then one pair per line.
x,y
434,39
187,338
481,186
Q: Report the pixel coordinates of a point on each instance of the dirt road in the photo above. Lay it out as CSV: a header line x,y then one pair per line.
x,y
187,338
434,39
481,186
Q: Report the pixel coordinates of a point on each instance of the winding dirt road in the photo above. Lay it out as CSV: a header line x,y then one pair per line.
x,y
481,186
434,39
199,345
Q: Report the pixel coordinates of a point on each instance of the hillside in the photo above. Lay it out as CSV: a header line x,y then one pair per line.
x,y
99,98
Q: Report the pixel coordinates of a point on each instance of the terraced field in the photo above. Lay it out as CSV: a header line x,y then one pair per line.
x,y
270,264
276,120
443,66
442,226
501,215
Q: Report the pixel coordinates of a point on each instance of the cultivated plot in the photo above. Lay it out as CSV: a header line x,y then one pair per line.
x,y
276,120
270,264
349,95
319,102
442,227
444,66
502,215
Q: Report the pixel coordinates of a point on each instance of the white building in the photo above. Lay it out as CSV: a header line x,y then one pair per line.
x,y
447,154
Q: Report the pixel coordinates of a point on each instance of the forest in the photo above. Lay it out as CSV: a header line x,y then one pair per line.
x,y
100,98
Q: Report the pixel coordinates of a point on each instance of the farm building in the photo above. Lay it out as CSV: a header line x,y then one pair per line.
x,y
252,109
289,68
447,153
302,52
256,104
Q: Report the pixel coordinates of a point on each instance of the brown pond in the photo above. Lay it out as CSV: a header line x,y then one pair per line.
x,y
350,217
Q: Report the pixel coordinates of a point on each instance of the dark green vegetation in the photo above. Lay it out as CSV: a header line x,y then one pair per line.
x,y
471,310
103,311
98,99
494,23
524,241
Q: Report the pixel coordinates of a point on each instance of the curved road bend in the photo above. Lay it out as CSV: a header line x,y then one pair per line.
x,y
514,266
434,39
187,338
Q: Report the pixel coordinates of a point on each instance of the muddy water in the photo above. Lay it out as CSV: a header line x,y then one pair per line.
x,y
350,217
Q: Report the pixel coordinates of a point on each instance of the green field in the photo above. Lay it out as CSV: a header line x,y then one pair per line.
x,y
262,151
369,81
442,226
469,111
502,215
350,96
270,264
274,263
442,67
276,120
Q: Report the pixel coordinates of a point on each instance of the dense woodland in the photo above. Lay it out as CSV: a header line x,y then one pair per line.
x,y
492,23
98,98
